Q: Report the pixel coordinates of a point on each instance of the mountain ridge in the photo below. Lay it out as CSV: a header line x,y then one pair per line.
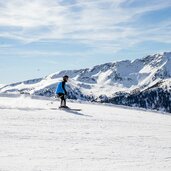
x,y
114,82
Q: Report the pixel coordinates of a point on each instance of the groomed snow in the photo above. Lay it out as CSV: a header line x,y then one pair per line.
x,y
35,137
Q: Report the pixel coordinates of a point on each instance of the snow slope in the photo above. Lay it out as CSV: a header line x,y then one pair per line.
x,y
35,137
1,85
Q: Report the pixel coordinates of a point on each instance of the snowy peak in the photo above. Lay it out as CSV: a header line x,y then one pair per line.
x,y
119,76
125,73
104,81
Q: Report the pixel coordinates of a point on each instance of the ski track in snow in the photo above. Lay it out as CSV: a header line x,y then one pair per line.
x,y
33,137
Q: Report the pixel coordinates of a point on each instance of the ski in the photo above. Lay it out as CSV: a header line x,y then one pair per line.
x,y
72,109
66,109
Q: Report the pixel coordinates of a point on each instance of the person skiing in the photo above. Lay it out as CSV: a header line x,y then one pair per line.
x,y
61,91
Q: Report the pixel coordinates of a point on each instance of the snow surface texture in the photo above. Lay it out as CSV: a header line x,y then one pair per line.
x,y
104,82
1,85
35,137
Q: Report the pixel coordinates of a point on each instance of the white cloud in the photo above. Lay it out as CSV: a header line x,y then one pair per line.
x,y
105,24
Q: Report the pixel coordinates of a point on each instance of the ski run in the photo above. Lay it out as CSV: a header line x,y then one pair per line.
x,y
35,137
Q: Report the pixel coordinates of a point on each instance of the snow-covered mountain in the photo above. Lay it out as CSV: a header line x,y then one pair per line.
x,y
1,85
143,83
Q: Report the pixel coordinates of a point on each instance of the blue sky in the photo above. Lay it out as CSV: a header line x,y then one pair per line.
x,y
39,37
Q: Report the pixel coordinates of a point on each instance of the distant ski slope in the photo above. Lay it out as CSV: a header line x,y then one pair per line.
x,y
99,138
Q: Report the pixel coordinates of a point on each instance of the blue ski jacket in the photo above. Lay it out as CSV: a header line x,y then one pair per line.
x,y
61,88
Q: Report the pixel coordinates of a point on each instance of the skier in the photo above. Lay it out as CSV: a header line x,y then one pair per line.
x,y
61,92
